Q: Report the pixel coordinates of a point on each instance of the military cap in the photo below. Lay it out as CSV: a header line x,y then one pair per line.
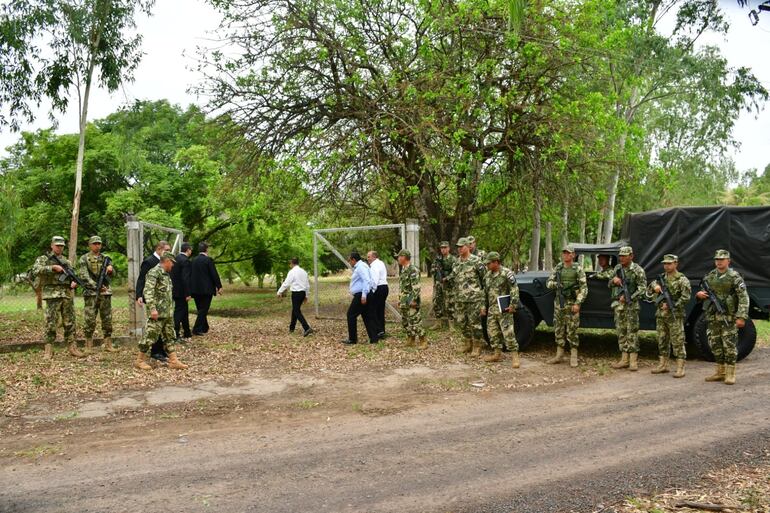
x,y
58,240
669,259
444,244
721,253
493,256
568,249
405,253
471,239
625,250
462,241
95,239
168,255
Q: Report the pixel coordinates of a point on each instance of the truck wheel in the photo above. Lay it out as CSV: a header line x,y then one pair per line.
x,y
747,338
524,323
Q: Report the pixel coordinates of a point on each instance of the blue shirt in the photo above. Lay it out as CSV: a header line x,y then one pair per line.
x,y
361,281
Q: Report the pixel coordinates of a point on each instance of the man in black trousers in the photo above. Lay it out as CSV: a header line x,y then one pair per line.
x,y
204,285
298,284
156,351
180,280
361,288
380,296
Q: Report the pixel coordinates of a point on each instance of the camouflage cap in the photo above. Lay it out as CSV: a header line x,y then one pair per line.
x,y
405,253
721,253
493,256
58,240
168,255
95,240
669,259
568,249
444,244
626,250
462,241
471,239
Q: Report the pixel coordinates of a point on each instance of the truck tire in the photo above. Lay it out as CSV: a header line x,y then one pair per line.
x,y
524,324
747,338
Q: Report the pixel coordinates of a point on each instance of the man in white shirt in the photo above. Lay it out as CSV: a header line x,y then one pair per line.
x,y
299,285
380,278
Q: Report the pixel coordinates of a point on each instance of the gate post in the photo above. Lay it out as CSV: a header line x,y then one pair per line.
x,y
134,257
413,240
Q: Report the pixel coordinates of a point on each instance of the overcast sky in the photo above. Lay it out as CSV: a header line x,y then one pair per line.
x,y
178,26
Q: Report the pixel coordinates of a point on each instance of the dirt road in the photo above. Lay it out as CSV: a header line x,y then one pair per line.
x,y
561,449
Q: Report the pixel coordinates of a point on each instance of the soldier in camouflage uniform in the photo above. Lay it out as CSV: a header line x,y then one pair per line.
x,y
670,324
159,305
483,257
58,293
442,277
566,319
409,300
500,281
89,269
626,315
468,285
722,330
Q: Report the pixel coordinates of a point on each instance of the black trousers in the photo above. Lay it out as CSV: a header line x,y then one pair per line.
x,y
202,305
297,299
181,318
379,301
355,309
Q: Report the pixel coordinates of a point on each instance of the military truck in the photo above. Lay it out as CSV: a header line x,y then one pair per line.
x,y
692,233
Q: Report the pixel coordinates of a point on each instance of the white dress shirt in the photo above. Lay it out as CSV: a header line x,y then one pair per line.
x,y
296,281
379,272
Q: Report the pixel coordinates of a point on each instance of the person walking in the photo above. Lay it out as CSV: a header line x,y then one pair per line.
x,y
381,292
204,285
180,281
298,284
361,287
156,351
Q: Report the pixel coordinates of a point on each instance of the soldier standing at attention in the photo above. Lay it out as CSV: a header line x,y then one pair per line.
x,y
500,281
409,300
468,287
442,277
626,312
670,323
89,269
569,280
58,292
159,304
722,329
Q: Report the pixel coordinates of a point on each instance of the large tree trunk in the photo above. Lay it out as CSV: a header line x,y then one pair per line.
x,y
565,227
534,251
548,257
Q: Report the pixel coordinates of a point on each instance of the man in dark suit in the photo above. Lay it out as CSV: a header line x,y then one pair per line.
x,y
148,263
180,280
204,285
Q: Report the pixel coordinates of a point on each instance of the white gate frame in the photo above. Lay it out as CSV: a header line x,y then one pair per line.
x,y
410,239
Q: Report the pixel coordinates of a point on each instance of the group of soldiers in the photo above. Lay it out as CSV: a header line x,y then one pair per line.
x,y
57,279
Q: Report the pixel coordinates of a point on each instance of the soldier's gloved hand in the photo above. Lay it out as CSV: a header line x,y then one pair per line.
x,y
740,323
57,268
483,312
154,315
575,308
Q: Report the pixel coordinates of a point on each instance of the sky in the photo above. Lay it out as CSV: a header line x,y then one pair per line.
x,y
176,27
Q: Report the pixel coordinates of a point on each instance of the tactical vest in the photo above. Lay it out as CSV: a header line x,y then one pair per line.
x,y
722,285
630,282
569,281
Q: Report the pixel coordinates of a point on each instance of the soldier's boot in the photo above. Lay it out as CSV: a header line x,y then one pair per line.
x,y
423,342
496,356
679,368
89,345
633,361
74,351
410,341
141,362
48,351
515,361
662,366
107,345
719,373
476,348
573,357
559,356
467,346
729,374
622,363
174,363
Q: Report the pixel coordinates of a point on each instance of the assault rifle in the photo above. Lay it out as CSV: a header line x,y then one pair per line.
x,y
621,273
559,289
665,294
68,273
102,281
718,306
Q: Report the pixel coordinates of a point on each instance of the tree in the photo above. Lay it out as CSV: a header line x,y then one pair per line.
x,y
49,47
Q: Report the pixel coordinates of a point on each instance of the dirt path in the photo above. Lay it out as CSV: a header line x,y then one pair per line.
x,y
566,448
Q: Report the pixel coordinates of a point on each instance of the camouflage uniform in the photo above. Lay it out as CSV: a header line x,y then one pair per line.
x,y
157,296
409,292
670,325
627,315
468,286
731,292
89,269
58,296
442,291
500,324
575,291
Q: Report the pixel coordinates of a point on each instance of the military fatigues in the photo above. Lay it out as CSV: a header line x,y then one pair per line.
x,y
442,291
468,286
409,292
670,325
58,296
575,291
627,315
157,296
500,325
731,292
89,269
